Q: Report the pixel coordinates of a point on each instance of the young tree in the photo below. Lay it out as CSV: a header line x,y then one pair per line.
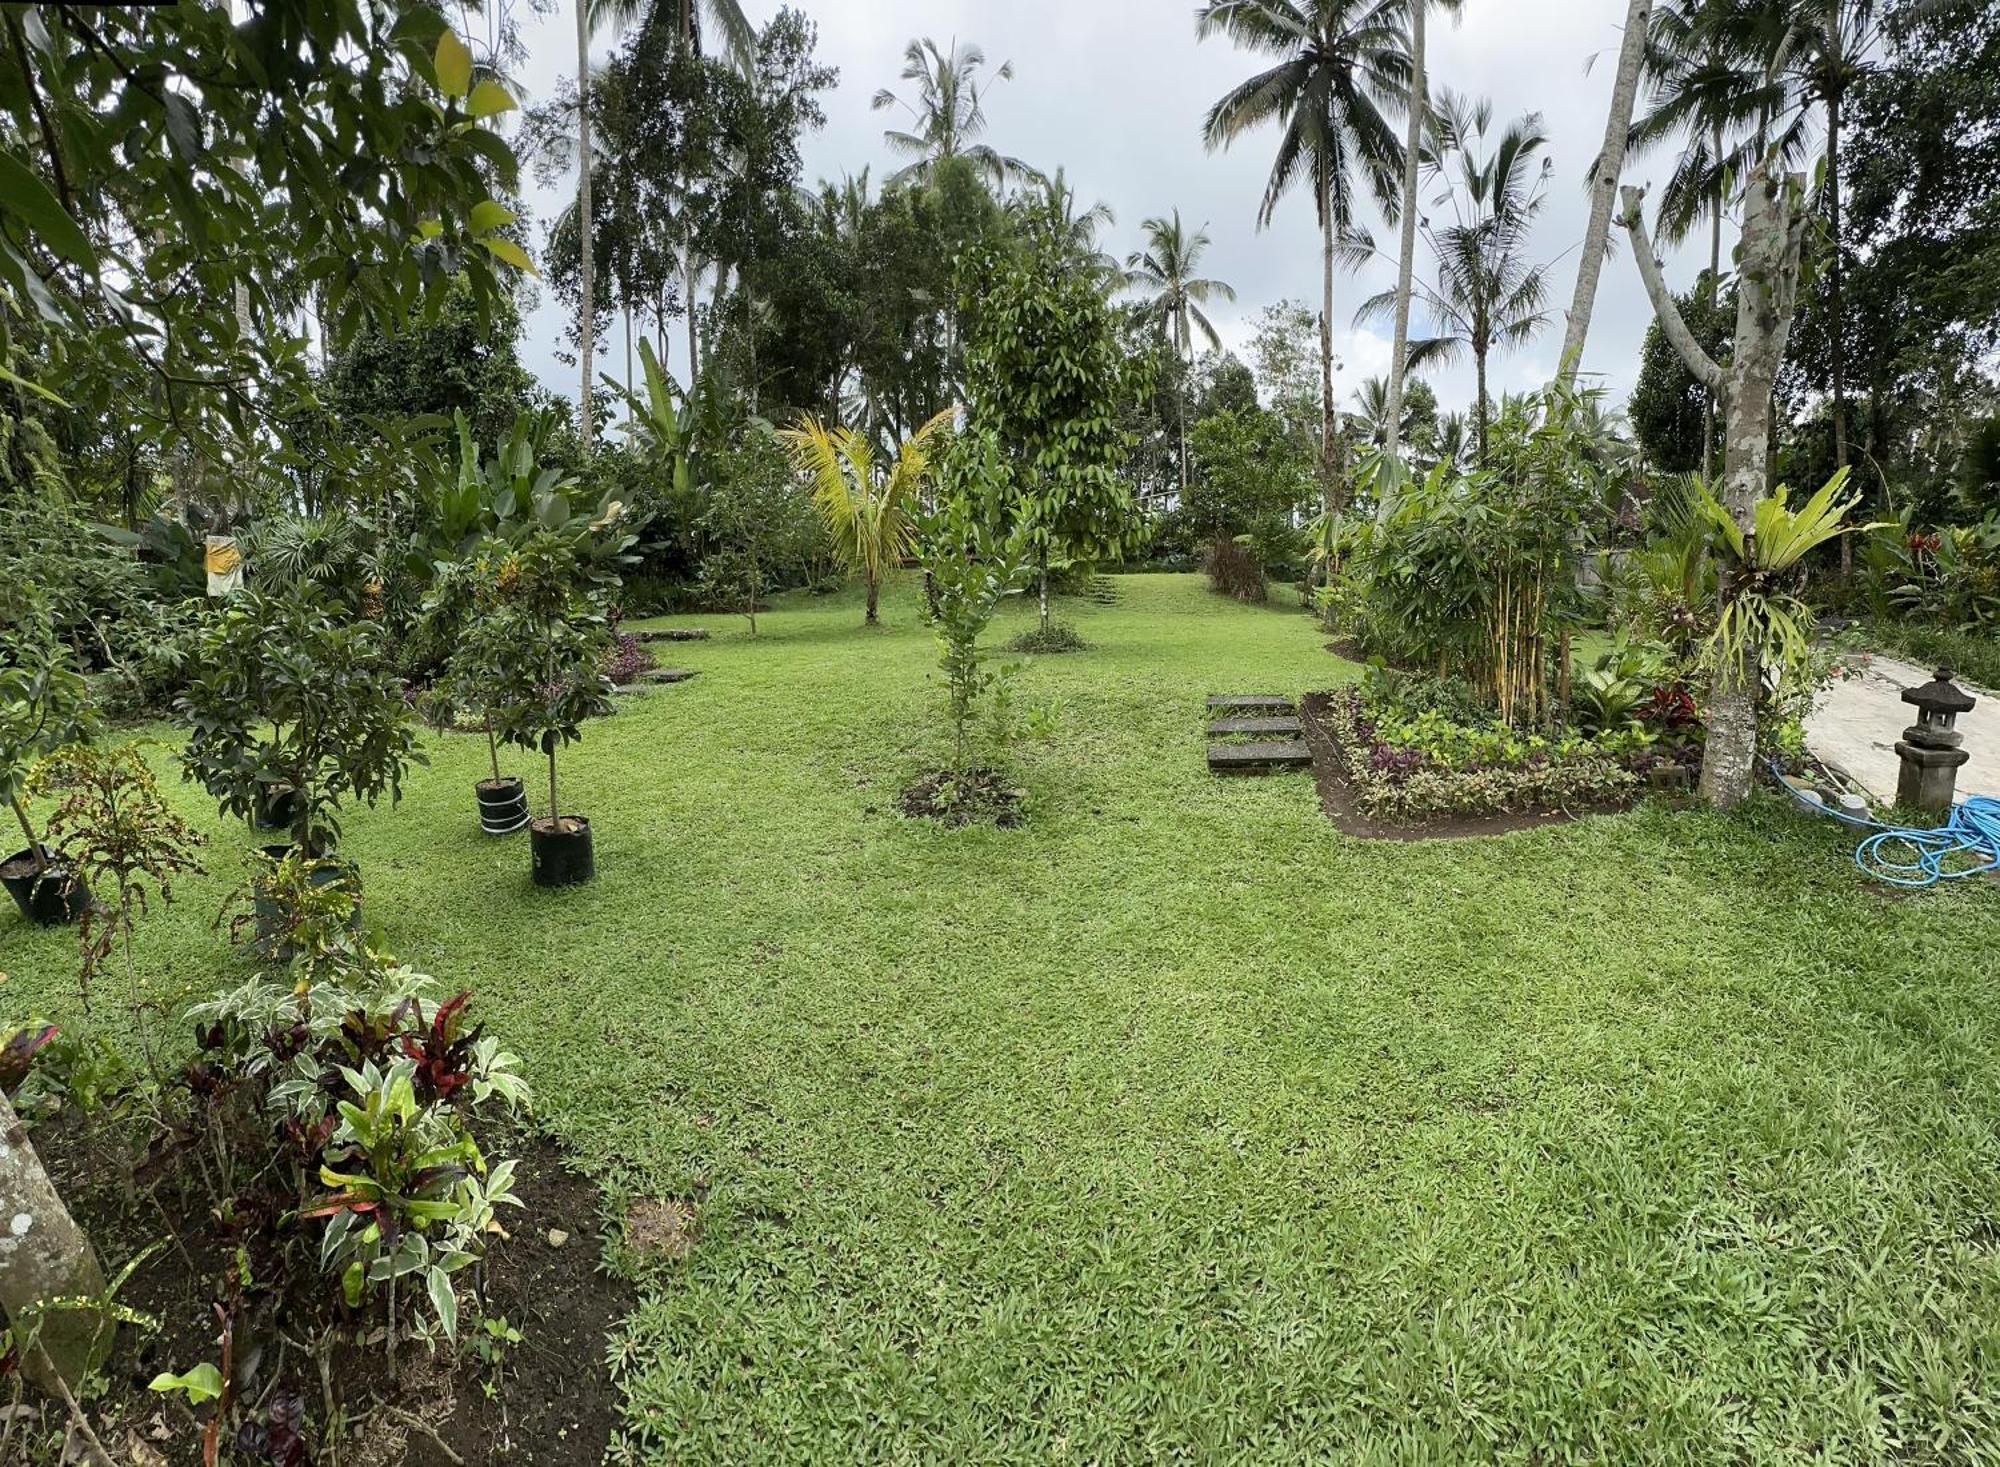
x,y
1045,376
870,513
1774,221
752,519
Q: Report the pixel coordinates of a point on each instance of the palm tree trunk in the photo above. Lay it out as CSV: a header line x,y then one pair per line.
x,y
1329,483
629,387
694,346
587,322
1836,347
1604,185
1714,288
1479,402
1406,259
874,593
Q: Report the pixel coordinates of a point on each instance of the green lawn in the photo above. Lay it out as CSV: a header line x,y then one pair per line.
x,y
1176,1125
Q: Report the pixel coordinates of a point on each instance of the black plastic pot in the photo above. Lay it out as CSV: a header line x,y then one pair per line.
x,y
277,806
561,851
50,898
503,805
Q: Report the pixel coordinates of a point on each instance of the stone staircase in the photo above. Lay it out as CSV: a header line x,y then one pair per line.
x,y
1255,733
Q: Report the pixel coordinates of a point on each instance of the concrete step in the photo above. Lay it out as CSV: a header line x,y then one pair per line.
x,y
672,634
1258,758
1227,728
1252,704
670,674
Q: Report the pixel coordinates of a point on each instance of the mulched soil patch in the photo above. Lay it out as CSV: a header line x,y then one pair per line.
x,y
1337,799
976,797
554,1404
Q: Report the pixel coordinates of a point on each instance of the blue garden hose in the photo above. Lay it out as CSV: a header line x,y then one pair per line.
x,y
1967,844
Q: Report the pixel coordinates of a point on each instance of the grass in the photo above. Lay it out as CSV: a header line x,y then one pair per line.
x,y
1176,1126
1974,656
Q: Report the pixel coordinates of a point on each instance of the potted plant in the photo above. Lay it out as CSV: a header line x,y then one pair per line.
x,y
461,694
44,704
544,642
289,696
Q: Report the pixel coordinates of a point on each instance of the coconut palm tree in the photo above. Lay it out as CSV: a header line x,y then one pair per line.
x,y
1338,64
947,112
1406,220
867,512
1487,295
1165,273
1076,229
591,17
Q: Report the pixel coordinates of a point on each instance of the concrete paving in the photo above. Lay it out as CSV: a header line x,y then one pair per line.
x,y
1859,719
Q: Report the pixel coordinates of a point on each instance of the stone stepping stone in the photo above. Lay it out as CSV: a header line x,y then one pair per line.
x,y
672,634
1225,728
1258,758
1253,705
671,674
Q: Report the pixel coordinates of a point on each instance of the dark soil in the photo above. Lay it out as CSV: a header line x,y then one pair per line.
x,y
1330,774
15,868
1350,649
549,1402
567,825
976,797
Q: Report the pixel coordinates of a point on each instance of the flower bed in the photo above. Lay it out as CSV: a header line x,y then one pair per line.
x,y
1402,769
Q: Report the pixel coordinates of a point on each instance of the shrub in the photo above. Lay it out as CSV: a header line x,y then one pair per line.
x,y
1055,637
1234,569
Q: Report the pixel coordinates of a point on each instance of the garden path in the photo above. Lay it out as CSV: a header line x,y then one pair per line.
x,y
1859,719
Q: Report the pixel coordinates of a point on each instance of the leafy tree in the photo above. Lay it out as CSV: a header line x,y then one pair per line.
x,y
288,696
947,111
1670,409
1250,479
1044,379
178,188
754,521
44,703
868,513
464,361
1339,63
547,640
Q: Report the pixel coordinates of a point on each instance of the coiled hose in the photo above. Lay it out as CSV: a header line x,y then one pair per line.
x,y
1967,844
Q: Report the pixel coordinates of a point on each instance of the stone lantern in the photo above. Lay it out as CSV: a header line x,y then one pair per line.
x,y
1930,748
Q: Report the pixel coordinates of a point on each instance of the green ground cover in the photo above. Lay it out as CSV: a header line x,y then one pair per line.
x,y
1177,1126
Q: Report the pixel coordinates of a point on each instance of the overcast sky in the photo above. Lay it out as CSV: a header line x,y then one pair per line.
x,y
1115,91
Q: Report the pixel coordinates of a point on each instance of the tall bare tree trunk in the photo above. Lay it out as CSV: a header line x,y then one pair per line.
x,y
1714,294
1406,258
694,345
1604,185
1479,413
1330,495
1766,300
45,1256
1836,344
587,324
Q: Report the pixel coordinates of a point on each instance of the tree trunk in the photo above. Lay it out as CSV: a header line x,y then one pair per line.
x,y
34,842
1479,403
43,1256
493,750
1406,259
1714,294
1766,298
694,345
874,593
1604,185
1836,345
1042,586
554,824
587,323
630,387
1329,483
